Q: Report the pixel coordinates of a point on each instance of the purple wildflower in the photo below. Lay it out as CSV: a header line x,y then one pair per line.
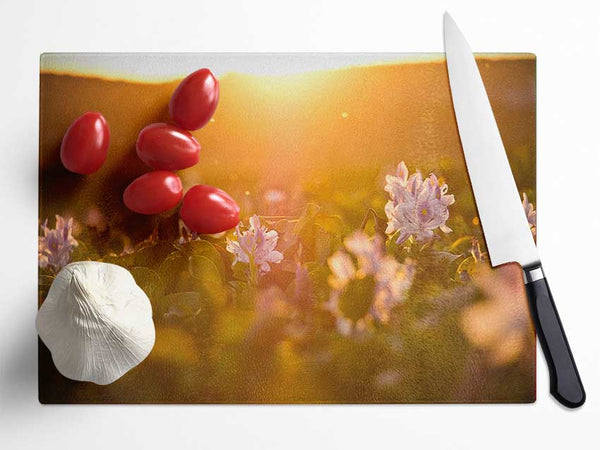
x,y
417,206
56,245
531,214
361,259
255,246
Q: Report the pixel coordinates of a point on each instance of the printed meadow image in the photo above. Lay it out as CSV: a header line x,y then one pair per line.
x,y
358,270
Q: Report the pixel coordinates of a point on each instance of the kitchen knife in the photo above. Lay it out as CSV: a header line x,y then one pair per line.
x,y
505,226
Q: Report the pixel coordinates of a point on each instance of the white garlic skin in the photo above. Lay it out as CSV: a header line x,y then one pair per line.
x,y
96,321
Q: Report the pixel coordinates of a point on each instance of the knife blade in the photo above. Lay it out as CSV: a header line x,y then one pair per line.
x,y
505,226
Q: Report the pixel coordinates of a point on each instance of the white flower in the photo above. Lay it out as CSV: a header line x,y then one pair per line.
x,y
255,246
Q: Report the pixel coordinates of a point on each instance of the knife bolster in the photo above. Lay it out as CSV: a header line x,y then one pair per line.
x,y
532,274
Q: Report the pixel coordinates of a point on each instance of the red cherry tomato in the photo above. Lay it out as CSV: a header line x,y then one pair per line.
x,y
209,210
85,144
153,192
167,147
194,101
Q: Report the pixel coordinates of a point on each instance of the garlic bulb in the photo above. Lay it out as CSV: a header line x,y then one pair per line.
x,y
96,321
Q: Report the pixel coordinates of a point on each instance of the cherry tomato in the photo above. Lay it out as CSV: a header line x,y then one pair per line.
x,y
153,192
167,147
85,144
209,210
194,101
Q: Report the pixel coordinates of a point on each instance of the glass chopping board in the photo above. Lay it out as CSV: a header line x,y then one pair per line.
x,y
378,288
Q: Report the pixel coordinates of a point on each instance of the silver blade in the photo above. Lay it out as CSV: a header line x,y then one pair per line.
x,y
505,227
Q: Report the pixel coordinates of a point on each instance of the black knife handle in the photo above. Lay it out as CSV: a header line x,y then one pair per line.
x,y
565,383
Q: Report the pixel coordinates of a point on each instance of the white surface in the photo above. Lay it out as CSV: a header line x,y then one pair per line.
x,y
566,38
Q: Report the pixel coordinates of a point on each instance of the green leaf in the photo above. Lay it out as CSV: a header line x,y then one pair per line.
x,y
189,309
150,282
152,255
175,274
287,236
173,263
182,305
204,248
357,298
300,289
203,269
325,244
208,278
331,224
240,272
243,294
307,218
318,274
400,252
379,223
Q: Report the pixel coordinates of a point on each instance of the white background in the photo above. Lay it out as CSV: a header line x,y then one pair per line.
x,y
566,38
